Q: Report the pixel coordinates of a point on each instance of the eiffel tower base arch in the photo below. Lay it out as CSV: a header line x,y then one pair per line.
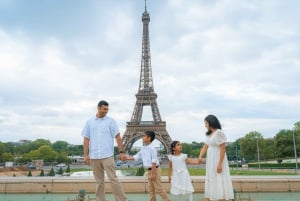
x,y
135,131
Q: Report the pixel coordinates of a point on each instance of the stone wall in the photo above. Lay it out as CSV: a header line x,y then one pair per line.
x,y
139,184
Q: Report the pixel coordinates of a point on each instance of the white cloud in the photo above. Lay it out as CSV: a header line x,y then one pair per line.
x,y
12,55
236,59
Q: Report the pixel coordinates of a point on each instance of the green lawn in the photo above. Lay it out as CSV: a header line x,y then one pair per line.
x,y
201,172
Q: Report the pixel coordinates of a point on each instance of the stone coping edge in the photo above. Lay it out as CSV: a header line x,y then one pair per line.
x,y
138,184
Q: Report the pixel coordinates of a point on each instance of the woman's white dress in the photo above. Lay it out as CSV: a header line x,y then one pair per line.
x,y
181,182
217,186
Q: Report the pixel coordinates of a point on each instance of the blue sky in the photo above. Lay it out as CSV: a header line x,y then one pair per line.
x,y
239,60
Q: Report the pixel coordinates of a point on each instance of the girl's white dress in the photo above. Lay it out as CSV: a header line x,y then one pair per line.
x,y
181,182
217,186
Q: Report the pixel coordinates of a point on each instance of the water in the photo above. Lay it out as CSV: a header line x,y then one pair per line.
x,y
119,173
274,196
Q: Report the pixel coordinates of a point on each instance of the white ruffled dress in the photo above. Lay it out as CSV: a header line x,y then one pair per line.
x,y
181,182
217,186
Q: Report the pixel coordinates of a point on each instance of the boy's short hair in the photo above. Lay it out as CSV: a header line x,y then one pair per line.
x,y
102,102
150,134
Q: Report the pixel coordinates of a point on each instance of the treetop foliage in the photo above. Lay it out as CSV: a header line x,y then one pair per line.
x,y
249,148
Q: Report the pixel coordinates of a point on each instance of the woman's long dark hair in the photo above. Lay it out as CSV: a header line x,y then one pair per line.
x,y
173,144
213,122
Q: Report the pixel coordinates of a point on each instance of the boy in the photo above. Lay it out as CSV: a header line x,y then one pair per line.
x,y
148,154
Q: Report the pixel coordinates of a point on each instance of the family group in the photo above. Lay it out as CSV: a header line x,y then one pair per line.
x,y
100,132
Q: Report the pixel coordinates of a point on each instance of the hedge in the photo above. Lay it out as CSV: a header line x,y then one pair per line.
x,y
274,165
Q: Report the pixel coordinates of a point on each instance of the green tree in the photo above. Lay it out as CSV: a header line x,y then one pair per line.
x,y
186,148
140,171
29,174
1,148
232,150
8,147
284,144
44,152
297,136
116,150
249,148
6,157
68,170
47,153
42,173
62,157
196,149
133,151
197,145
195,153
52,173
269,152
60,146
60,171
23,159
38,143
297,126
23,148
75,150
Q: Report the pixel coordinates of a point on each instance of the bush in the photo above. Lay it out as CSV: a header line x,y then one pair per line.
x,y
140,171
52,173
42,173
60,171
273,165
234,165
29,174
68,169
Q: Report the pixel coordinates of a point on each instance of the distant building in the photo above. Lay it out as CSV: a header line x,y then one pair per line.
x,y
21,142
9,164
76,159
24,141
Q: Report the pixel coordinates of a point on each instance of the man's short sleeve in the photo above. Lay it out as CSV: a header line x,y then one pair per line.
x,y
114,128
86,130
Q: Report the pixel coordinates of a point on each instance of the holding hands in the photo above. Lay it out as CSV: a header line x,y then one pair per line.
x,y
122,156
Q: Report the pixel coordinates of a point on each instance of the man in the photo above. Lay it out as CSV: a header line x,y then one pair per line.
x,y
98,144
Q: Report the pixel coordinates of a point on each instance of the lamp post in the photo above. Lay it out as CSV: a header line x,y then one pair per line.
x,y
295,151
236,156
258,160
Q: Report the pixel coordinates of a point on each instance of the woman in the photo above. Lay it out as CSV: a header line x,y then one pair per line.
x,y
218,185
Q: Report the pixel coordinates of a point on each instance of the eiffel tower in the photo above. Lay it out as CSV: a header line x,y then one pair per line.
x,y
145,97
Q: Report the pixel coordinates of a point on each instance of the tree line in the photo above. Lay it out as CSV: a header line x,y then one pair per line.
x,y
247,148
22,153
254,145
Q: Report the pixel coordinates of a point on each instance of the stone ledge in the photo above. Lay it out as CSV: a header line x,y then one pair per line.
x,y
135,184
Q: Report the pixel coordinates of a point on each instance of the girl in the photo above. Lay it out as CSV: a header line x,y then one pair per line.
x,y
181,183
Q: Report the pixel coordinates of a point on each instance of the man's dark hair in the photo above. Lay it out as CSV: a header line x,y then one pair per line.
x,y
102,102
213,122
150,134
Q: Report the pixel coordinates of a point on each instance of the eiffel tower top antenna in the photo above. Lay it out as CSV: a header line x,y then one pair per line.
x,y
146,80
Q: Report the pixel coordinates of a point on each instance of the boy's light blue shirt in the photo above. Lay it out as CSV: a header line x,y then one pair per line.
x,y
148,154
101,132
